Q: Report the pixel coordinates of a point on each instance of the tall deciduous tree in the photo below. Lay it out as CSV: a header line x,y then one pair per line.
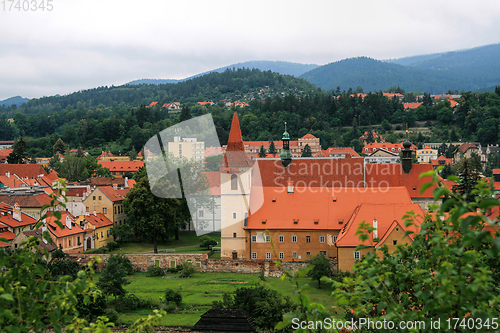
x,y
114,275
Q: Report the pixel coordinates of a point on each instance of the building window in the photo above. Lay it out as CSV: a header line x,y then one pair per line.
x,y
321,239
100,197
234,215
157,262
234,235
104,210
102,234
335,239
294,254
308,239
69,243
294,239
308,254
323,253
172,264
254,255
200,213
268,255
356,255
115,210
254,239
281,239
268,238
234,182
282,255
93,197
394,242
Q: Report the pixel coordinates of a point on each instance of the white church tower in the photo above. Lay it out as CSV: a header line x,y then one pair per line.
x,y
236,179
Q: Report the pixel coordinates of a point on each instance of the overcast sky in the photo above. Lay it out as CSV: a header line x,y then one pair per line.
x,y
83,44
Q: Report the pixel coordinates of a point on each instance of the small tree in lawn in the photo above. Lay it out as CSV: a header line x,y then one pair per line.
x,y
321,268
206,241
187,270
113,276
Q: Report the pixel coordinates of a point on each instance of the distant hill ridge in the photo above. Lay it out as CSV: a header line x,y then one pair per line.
x,y
282,67
467,70
16,100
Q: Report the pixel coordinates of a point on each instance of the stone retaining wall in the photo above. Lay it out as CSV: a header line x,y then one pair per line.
x,y
141,261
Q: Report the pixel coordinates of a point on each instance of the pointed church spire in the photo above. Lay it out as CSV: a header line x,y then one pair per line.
x,y
235,155
235,141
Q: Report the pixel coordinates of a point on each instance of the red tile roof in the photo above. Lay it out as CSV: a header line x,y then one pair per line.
x,y
57,231
308,136
23,170
112,194
105,154
26,200
319,172
7,218
118,166
385,214
8,235
374,146
210,151
76,191
99,220
277,144
153,104
411,105
331,209
465,146
337,150
441,160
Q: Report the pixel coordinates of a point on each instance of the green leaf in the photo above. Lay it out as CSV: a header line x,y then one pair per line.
x,y
489,202
7,297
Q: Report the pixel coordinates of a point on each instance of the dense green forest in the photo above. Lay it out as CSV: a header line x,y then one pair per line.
x,y
117,118
467,70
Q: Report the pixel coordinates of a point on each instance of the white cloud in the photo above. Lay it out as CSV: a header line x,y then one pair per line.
x,y
87,43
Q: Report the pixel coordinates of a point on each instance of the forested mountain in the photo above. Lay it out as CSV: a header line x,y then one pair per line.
x,y
467,70
282,67
16,100
230,84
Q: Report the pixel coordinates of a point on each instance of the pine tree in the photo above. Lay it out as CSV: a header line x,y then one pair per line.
x,y
185,114
307,151
59,147
19,153
272,148
262,151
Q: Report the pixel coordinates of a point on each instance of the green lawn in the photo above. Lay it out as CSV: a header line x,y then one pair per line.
x,y
188,243
198,294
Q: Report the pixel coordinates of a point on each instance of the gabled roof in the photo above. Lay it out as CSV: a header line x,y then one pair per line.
x,y
411,105
7,218
105,154
23,170
112,194
391,153
441,160
308,136
76,191
26,200
210,151
337,150
98,220
315,208
384,214
464,147
38,234
57,231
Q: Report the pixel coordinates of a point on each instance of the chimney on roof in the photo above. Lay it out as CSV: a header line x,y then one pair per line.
x,y
115,187
375,226
7,174
95,213
68,222
290,187
125,183
16,213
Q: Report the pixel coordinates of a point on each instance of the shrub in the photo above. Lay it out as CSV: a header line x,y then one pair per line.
x,y
112,245
187,270
92,310
173,296
112,315
207,241
172,270
155,271
131,302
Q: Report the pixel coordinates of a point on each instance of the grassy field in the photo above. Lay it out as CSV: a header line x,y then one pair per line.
x,y
188,243
198,293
